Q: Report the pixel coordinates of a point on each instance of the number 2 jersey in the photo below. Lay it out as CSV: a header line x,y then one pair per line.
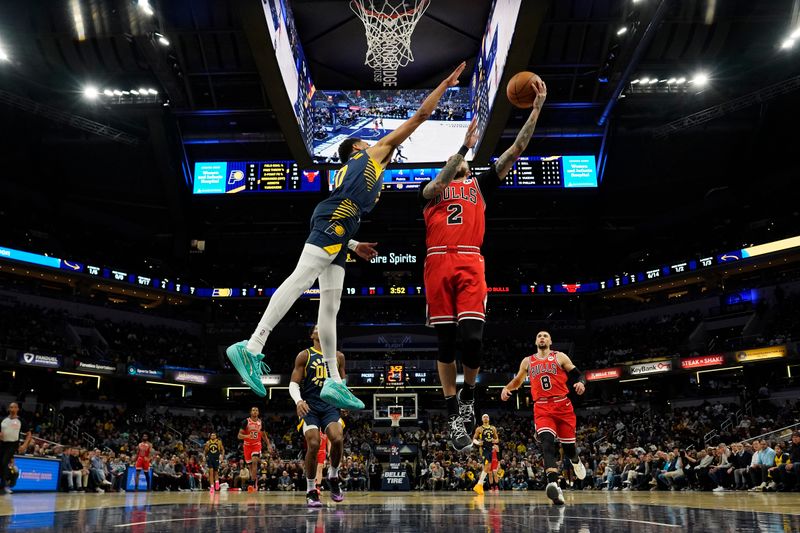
x,y
547,378
455,217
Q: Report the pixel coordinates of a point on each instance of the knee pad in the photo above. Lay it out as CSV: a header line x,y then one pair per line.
x,y
548,441
471,333
447,342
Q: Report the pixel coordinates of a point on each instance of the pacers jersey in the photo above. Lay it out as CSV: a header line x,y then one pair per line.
x,y
488,434
314,377
455,217
357,186
253,430
213,447
547,378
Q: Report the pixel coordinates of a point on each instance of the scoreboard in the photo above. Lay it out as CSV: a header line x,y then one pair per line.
x,y
232,177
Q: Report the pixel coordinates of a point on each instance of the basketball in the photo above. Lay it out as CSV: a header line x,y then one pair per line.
x,y
519,89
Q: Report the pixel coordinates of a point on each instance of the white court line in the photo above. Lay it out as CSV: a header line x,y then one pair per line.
x,y
505,516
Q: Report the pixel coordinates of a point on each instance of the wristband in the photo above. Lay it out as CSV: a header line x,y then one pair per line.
x,y
463,150
352,244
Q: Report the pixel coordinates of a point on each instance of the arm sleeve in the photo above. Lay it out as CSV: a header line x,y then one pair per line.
x,y
488,181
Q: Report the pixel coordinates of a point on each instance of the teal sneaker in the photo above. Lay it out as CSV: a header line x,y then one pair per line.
x,y
250,367
339,396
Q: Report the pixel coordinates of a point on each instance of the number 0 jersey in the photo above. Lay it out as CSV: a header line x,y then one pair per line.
x,y
547,378
357,186
455,217
314,376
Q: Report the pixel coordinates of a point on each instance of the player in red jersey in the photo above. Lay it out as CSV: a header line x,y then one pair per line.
x,y
322,455
553,414
455,282
143,453
252,434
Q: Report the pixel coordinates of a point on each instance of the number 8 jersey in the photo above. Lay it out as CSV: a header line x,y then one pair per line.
x,y
547,378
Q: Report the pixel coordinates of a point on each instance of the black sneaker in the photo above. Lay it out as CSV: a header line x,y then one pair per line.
x,y
336,490
466,410
312,499
459,437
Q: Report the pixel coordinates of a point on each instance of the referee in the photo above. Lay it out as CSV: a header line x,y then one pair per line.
x,y
9,442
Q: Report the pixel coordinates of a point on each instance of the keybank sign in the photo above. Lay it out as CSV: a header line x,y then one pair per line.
x,y
650,368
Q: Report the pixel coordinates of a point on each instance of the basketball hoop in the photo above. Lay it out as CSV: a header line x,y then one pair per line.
x,y
395,419
388,29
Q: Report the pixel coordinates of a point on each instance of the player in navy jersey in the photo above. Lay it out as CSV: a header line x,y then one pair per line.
x,y
357,187
553,415
455,281
317,416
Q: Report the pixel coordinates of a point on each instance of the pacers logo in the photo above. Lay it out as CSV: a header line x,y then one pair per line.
x,y
335,229
318,372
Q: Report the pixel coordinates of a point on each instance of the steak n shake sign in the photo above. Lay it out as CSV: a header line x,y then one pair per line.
x,y
650,368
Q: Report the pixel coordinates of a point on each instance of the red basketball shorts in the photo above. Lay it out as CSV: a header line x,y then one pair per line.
x,y
250,450
142,463
455,286
556,417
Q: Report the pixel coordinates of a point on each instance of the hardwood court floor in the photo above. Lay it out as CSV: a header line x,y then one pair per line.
x,y
445,512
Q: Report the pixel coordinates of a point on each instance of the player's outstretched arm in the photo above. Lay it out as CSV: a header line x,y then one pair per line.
x,y
446,175
572,370
383,149
294,383
507,159
517,382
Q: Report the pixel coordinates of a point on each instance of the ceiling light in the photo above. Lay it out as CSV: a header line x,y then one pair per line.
x,y
788,43
795,34
145,6
117,92
644,80
91,92
108,92
126,93
134,91
681,80
634,82
701,78
671,81
142,91
152,91
161,39
622,30
3,54
654,80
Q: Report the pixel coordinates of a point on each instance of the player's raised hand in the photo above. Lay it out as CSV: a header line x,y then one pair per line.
x,y
366,250
580,388
471,138
452,79
302,409
505,395
540,89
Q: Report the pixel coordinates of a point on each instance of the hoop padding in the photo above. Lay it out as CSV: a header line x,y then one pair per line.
x,y
388,31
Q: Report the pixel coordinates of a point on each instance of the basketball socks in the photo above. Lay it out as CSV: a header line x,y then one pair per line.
x,y
311,484
333,472
312,262
331,281
467,393
452,405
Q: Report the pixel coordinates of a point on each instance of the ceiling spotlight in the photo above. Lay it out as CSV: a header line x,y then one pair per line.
x,y
108,92
91,92
701,78
152,91
4,55
622,30
788,43
126,93
681,80
644,80
134,91
795,34
654,80
671,81
145,6
161,39
142,91
634,82
117,92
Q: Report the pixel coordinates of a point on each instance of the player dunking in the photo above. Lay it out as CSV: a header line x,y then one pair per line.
x,y
553,414
486,437
214,451
252,434
317,417
357,187
455,282
143,453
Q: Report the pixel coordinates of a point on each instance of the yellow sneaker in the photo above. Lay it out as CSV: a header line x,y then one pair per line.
x,y
478,488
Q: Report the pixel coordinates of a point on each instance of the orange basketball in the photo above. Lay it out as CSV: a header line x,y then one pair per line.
x,y
520,89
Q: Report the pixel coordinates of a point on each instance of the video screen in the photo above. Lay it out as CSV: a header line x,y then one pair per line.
x,y
371,115
292,63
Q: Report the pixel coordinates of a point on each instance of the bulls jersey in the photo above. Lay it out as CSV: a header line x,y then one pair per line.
x,y
356,186
455,217
314,376
547,378
144,449
253,430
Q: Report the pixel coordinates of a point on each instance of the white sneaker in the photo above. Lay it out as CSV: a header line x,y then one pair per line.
x,y
580,470
719,489
554,492
99,490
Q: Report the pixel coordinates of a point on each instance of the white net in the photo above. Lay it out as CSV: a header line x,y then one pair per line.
x,y
388,28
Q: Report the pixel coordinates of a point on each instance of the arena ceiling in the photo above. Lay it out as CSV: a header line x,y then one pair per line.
x,y
212,103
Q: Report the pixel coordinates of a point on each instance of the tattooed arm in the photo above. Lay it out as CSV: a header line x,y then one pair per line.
x,y
505,161
446,175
